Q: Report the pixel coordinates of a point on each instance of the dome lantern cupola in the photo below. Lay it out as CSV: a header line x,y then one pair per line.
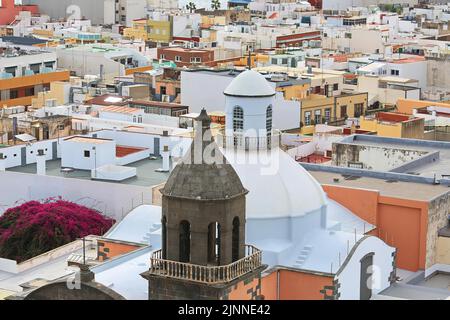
x,y
249,105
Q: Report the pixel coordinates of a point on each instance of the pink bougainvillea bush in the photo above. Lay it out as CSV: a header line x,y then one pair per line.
x,y
36,227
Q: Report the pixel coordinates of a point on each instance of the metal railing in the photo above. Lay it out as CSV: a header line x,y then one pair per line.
x,y
241,142
206,274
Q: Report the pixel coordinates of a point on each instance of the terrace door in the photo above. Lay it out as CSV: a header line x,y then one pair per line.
x,y
54,150
156,149
23,156
365,277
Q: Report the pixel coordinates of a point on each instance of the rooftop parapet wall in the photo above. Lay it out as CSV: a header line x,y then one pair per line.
x,y
423,160
403,141
373,157
371,173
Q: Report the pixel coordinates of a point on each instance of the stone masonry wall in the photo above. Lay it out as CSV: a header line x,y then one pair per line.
x,y
438,211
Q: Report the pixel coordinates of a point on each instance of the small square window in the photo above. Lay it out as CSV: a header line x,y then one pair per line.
x,y
87,154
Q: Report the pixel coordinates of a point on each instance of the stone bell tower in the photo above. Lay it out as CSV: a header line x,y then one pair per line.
x,y
203,253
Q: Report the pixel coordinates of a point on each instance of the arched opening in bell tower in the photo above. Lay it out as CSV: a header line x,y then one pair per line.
x,y
185,241
214,243
164,237
235,239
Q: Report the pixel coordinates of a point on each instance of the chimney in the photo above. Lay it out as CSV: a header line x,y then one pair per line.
x,y
2,163
41,163
164,141
166,159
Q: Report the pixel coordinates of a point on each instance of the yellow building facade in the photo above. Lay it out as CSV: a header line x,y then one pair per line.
x,y
160,31
23,87
394,125
208,21
138,31
295,92
150,30
57,92
320,109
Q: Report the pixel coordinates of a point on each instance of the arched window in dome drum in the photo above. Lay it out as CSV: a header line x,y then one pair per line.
x,y
185,241
235,240
238,118
269,113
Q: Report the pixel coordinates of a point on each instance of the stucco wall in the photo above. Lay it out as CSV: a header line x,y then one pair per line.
x,y
294,285
112,199
437,219
366,209
373,158
401,223
404,227
383,266
443,250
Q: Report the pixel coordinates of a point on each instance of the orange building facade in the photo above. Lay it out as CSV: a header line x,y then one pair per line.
x,y
285,284
108,249
22,90
407,106
401,223
408,225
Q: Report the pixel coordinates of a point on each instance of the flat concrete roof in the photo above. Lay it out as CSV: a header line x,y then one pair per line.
x,y
88,140
146,174
404,190
410,292
438,167
414,286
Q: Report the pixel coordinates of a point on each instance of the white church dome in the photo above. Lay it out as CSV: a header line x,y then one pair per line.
x,y
249,84
286,191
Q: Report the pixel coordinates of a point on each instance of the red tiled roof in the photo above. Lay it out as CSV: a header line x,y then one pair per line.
x,y
119,109
123,151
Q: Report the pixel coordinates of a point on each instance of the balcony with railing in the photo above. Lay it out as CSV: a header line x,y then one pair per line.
x,y
206,274
239,141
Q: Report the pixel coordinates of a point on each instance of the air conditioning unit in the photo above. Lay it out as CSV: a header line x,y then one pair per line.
x,y
49,103
165,98
92,91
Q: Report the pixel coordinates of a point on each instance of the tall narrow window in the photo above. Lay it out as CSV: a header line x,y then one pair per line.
x,y
318,116
238,119
214,243
238,124
269,113
307,118
235,239
164,237
269,126
327,115
185,241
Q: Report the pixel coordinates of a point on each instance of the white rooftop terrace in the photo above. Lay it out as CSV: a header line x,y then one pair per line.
x,y
440,167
